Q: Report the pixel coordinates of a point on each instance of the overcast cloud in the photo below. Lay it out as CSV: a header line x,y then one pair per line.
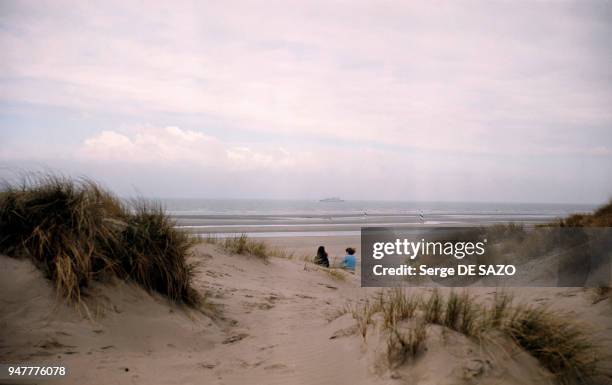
x,y
490,101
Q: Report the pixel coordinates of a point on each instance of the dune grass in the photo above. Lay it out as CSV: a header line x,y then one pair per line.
x,y
399,306
561,345
558,343
602,217
433,308
244,245
154,253
406,345
76,232
495,315
517,243
335,274
600,293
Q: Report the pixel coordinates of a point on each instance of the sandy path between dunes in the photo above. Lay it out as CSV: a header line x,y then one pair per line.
x,y
272,326
281,310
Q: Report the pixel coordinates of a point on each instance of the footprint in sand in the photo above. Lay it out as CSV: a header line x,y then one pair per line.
x,y
328,286
267,347
52,343
235,338
275,367
476,368
260,305
304,296
207,365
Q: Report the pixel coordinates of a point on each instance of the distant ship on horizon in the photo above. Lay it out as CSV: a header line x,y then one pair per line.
x,y
331,200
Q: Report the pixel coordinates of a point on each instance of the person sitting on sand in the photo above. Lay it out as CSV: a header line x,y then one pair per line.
x,y
349,259
321,258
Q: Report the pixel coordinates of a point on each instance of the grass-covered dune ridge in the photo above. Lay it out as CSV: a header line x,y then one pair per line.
x,y
561,344
76,232
602,217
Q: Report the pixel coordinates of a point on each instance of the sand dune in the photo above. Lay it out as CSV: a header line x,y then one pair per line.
x,y
267,323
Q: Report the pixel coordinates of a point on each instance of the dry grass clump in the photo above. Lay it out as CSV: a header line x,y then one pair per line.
x,y
602,217
403,343
514,241
153,253
559,344
600,293
76,232
209,238
514,231
470,314
277,252
498,312
246,246
453,311
406,345
336,274
397,307
61,226
363,313
363,321
461,314
433,308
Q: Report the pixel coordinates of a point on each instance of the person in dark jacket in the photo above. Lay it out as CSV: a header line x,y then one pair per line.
x,y
321,258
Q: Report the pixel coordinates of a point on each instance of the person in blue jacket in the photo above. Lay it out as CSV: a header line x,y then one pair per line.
x,y
349,259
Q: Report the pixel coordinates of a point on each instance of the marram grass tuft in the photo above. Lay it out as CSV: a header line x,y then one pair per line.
x,y
77,232
561,345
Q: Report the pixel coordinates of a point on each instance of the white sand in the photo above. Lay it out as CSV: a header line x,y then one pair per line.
x,y
272,325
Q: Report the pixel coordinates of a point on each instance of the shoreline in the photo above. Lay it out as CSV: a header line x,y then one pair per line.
x,y
269,226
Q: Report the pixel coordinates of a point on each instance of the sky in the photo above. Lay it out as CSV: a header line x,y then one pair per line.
x,y
438,101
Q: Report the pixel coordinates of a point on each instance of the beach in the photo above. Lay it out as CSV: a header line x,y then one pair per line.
x,y
306,193
238,303
299,218
276,321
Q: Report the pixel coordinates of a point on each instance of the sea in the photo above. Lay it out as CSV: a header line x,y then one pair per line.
x,y
288,218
